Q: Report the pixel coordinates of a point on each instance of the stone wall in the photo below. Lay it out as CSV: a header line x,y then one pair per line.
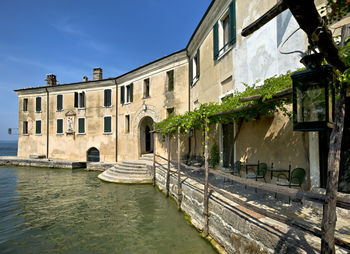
x,y
234,227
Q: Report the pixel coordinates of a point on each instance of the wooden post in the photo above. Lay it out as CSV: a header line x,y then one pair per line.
x,y
168,171
329,219
206,180
179,190
154,160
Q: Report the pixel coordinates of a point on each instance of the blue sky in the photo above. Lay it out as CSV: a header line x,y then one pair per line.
x,y
70,38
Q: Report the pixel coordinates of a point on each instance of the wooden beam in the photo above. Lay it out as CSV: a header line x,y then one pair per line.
x,y
309,20
167,185
179,190
206,179
250,98
268,16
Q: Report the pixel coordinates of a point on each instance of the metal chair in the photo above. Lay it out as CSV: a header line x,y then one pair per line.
x,y
297,177
235,169
260,174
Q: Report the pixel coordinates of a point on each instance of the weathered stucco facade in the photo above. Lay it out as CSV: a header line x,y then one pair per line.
x,y
217,61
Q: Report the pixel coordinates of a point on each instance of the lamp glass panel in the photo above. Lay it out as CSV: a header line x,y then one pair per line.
x,y
311,105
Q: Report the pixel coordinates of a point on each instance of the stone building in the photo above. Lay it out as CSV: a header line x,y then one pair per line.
x,y
111,119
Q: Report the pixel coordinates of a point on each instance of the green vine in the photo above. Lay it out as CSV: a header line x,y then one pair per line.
x,y
195,119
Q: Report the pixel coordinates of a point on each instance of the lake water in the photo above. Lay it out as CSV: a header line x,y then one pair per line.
x,y
64,211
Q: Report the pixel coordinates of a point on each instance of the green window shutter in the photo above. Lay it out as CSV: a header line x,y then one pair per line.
x,y
76,96
59,102
37,127
59,126
108,124
105,98
216,40
191,71
83,100
38,104
122,94
198,63
81,127
232,20
131,92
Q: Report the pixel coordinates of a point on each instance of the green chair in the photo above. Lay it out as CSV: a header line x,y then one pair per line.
x,y
235,169
260,174
297,177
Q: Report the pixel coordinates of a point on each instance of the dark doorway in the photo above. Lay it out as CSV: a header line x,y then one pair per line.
x,y
344,171
93,155
227,141
146,136
148,139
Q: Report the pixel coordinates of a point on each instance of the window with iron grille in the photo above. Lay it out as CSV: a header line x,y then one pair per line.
x,y
25,105
25,127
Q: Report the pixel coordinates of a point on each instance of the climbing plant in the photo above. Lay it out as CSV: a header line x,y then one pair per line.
x,y
253,109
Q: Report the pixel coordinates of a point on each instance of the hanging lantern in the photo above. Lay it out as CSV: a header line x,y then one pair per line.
x,y
313,95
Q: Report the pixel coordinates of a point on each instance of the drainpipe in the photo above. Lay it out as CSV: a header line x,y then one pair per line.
x,y
189,100
116,120
47,122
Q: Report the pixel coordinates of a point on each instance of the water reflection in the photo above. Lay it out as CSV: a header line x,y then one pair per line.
x,y
60,211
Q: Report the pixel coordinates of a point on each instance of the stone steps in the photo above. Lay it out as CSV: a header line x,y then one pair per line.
x,y
130,172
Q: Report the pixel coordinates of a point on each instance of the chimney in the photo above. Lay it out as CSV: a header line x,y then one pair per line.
x,y
51,80
85,79
97,74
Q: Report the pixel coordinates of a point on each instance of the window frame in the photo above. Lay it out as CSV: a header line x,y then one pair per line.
x,y
36,127
146,88
25,124
228,19
81,133
127,94
127,124
59,133
77,96
104,98
170,111
59,109
172,87
36,104
104,125
25,104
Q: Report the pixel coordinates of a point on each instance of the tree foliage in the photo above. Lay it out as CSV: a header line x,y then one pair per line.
x,y
336,9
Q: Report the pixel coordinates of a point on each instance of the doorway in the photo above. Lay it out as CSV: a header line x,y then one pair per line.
x,y
227,145
93,155
146,137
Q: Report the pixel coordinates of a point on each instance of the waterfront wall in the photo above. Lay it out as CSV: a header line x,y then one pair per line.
x,y
234,227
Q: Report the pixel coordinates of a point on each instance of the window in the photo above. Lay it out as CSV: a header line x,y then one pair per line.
x,y
25,105
224,31
108,98
38,127
81,126
170,111
127,123
194,67
126,94
38,104
59,126
107,123
59,102
170,80
25,127
146,88
79,99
